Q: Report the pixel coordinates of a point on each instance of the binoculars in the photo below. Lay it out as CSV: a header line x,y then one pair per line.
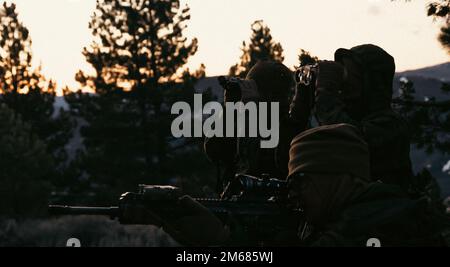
x,y
307,75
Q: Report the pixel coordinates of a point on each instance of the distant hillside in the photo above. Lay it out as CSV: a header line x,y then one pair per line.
x,y
439,72
427,81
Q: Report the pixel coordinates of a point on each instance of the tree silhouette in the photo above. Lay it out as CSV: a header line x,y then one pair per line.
x,y
429,120
261,47
138,57
25,168
441,9
305,58
444,37
26,90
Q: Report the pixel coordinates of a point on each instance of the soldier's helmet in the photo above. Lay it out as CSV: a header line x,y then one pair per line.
x,y
331,149
378,69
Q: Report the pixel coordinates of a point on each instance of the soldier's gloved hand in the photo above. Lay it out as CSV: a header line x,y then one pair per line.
x,y
196,226
330,76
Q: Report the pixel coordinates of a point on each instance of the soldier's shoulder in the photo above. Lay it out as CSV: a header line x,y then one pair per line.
x,y
389,122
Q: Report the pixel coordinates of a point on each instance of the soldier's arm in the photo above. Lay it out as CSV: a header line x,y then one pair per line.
x,y
221,149
329,108
300,109
224,149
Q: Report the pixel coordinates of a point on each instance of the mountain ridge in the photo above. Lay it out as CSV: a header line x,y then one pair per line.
x,y
439,72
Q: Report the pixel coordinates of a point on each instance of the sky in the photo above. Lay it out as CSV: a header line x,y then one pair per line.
x,y
59,29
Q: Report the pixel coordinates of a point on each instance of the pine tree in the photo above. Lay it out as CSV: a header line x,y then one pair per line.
x,y
25,168
138,57
441,9
26,90
444,37
305,58
261,47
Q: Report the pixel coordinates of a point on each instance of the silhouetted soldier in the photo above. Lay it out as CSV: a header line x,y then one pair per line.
x,y
271,82
357,89
329,178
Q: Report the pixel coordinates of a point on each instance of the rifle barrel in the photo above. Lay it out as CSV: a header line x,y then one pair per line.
x,y
70,210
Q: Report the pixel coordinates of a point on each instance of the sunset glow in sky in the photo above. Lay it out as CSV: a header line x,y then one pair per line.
x,y
59,29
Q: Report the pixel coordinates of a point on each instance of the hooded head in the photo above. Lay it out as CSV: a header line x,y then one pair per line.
x,y
329,165
370,72
274,81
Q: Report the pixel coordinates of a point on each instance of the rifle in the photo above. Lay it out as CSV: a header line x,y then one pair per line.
x,y
256,210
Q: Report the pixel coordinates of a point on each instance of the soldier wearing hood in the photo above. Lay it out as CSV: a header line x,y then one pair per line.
x,y
329,179
357,89
270,82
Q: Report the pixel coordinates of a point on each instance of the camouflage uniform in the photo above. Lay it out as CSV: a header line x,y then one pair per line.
x,y
330,179
385,131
